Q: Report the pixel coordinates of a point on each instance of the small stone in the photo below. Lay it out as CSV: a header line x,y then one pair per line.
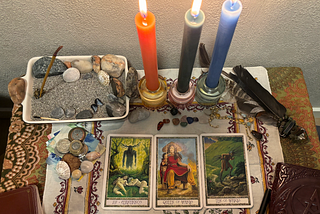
x,y
68,64
98,102
195,119
57,113
72,161
113,65
117,87
96,63
159,126
71,75
83,66
166,121
85,114
70,112
112,98
190,120
86,166
175,121
76,174
39,68
183,124
184,119
138,115
86,76
132,83
94,107
115,109
174,111
17,90
203,119
256,135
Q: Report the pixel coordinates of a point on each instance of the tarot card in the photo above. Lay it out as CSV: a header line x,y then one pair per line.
x,y
177,172
128,173
226,171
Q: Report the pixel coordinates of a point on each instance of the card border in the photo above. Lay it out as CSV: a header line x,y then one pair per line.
x,y
106,171
155,171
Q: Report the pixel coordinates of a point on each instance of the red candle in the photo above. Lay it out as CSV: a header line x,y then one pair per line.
x,y
146,27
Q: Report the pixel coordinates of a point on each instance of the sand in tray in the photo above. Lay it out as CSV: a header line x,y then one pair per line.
x,y
79,95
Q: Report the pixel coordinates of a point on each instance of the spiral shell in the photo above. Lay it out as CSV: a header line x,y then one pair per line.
x,y
103,78
63,170
93,156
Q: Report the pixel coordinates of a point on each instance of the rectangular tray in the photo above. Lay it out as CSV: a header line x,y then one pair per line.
x,y
26,103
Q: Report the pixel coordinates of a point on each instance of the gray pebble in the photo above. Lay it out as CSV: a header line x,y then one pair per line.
x,y
57,113
131,89
85,114
115,109
40,67
138,115
86,76
84,66
70,112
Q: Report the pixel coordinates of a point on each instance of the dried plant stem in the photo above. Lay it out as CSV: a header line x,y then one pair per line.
x,y
48,70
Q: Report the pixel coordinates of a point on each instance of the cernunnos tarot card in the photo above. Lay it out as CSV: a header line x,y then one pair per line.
x,y
226,171
128,172
177,178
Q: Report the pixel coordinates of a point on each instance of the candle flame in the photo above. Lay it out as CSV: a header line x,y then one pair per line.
x,y
196,8
233,2
143,8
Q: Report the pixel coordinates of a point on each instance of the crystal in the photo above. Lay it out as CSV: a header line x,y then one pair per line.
x,y
183,124
159,126
190,120
166,121
256,135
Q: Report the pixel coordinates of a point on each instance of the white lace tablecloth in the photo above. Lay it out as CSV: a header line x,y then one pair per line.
x,y
85,196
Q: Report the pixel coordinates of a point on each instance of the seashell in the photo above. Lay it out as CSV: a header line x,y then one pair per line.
x,y
93,156
86,166
96,63
71,75
76,174
94,107
98,102
103,78
84,66
63,170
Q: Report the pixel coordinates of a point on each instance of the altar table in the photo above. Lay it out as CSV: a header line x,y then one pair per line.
x,y
25,157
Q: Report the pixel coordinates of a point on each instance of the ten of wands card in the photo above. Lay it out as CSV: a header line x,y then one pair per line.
x,y
127,176
226,171
177,172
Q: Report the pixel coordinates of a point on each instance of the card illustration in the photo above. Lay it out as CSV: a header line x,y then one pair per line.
x,y
128,174
177,172
226,173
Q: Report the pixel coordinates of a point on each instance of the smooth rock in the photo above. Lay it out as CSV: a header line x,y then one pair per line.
x,y
176,121
138,115
183,124
76,174
115,109
159,126
70,112
17,90
166,121
103,78
40,67
195,119
190,120
57,113
96,63
72,161
86,166
113,65
174,111
117,87
112,98
83,66
85,114
93,155
132,83
71,75
184,118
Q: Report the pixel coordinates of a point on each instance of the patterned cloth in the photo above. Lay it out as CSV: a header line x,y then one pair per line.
x,y
26,152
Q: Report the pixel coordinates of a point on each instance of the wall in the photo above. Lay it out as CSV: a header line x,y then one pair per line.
x,y
270,33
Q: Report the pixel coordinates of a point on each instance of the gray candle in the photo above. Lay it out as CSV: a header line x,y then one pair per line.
x,y
193,21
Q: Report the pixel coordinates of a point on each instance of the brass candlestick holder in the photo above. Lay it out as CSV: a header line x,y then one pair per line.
x,y
153,99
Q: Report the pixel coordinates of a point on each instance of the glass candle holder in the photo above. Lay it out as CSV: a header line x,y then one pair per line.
x,y
181,100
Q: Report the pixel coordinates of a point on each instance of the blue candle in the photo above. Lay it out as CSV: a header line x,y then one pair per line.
x,y
230,13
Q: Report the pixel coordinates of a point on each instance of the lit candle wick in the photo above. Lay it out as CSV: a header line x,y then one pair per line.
x,y
144,22
233,2
195,8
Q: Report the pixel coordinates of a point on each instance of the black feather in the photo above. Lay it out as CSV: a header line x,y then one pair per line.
x,y
204,57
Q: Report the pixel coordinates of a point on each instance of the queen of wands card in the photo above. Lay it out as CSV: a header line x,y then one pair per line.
x,y
177,172
226,171
127,177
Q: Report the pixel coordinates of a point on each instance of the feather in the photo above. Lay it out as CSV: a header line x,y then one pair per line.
x,y
204,57
259,93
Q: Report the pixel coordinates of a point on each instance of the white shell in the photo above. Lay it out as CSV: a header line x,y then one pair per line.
x,y
71,75
86,166
63,170
76,174
104,78
93,156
